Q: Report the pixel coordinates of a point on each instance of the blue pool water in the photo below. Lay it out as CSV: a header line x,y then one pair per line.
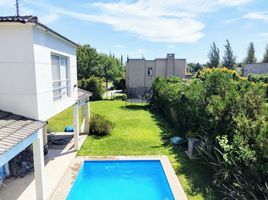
x,y
121,180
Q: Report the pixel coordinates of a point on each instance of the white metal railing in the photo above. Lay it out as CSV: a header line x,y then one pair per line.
x,y
61,88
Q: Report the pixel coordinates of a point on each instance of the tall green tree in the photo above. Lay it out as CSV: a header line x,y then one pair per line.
x,y
121,59
91,63
87,61
250,58
110,69
265,56
229,59
194,67
214,56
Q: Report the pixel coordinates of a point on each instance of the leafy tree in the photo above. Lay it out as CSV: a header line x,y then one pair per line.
x,y
228,58
94,85
251,58
214,56
91,63
265,56
194,67
87,61
110,68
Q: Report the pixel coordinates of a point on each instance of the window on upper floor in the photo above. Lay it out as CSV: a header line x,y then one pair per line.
x,y
60,77
150,71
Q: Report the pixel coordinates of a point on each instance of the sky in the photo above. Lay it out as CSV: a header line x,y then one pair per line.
x,y
153,28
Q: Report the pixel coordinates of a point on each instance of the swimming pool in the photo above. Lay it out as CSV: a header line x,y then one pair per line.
x,y
121,180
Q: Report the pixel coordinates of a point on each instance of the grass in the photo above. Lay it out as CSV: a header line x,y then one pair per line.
x,y
139,132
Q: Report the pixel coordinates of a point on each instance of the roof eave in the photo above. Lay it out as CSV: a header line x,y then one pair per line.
x,y
57,34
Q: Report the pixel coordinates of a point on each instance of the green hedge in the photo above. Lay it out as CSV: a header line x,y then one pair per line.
x,y
229,115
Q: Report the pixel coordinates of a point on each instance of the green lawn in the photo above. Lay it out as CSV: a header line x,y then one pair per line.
x,y
139,132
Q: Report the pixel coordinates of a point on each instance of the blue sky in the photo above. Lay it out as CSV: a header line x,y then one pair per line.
x,y
154,28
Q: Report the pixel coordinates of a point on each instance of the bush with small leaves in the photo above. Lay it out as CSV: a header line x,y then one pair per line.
x,y
100,125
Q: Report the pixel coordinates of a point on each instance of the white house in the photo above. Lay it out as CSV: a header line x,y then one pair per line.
x,y
37,67
38,80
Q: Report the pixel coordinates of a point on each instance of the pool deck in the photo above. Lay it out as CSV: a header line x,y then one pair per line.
x,y
56,164
67,181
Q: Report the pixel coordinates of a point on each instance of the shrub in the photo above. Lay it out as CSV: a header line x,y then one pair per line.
x,y
203,74
120,84
94,85
260,78
100,125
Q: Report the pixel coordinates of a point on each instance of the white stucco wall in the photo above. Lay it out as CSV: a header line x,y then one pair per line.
x,y
17,82
180,67
136,70
44,44
26,71
160,67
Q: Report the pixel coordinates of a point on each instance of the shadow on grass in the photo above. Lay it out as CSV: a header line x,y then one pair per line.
x,y
135,107
197,173
98,137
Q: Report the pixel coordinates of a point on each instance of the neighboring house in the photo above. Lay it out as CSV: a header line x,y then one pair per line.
x,y
38,80
140,73
257,68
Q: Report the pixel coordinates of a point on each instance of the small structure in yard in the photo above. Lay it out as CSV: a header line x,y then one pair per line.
x,y
39,80
192,148
140,73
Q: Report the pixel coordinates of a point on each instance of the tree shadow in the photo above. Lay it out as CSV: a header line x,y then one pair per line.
x,y
135,107
197,173
99,137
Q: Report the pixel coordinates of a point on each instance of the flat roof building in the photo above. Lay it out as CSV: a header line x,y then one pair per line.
x,y
140,73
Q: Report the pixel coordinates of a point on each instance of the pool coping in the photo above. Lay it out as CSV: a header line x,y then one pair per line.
x,y
64,186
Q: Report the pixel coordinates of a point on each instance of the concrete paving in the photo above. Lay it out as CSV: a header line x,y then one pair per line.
x,y
56,164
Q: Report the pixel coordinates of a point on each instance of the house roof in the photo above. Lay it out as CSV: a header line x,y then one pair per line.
x,y
83,95
34,20
14,129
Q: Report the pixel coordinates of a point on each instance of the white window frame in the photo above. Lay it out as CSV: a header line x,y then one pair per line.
x,y
63,90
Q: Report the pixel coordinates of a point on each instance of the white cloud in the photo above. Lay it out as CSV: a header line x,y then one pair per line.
x,y
168,21
153,21
263,16
119,46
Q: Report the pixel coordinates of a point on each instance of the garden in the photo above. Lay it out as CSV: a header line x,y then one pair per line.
x,y
226,113
138,131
